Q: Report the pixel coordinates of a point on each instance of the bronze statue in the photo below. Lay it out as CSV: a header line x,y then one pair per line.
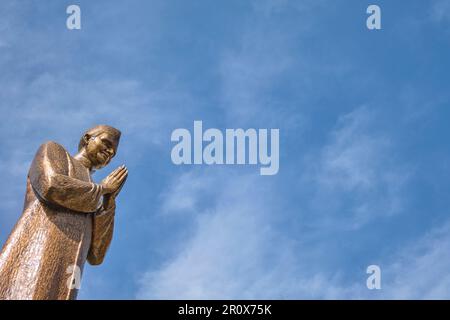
x,y
67,218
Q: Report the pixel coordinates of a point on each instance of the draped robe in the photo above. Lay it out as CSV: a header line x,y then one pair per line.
x,y
63,224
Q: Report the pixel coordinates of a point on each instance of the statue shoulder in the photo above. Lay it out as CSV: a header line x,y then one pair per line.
x,y
52,149
50,155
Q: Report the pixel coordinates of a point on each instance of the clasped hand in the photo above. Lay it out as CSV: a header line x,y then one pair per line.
x,y
113,183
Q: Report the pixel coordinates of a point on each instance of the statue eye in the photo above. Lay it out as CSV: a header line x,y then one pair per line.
x,y
107,143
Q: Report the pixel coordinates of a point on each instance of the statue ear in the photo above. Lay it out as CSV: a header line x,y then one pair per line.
x,y
86,139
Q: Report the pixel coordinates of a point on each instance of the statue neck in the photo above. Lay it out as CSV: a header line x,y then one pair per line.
x,y
83,158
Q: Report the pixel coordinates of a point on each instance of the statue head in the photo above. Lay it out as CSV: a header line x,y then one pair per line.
x,y
100,145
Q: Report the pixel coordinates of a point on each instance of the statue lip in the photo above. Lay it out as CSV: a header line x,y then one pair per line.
x,y
105,157
105,154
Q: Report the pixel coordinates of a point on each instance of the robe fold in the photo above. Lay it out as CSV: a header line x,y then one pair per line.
x,y
63,224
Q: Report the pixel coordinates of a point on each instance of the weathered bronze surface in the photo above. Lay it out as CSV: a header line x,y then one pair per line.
x,y
67,218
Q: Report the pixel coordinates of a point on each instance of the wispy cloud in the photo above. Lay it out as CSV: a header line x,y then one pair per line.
x,y
356,171
420,269
440,11
224,256
234,251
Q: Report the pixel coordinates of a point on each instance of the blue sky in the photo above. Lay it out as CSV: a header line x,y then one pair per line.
x,y
363,118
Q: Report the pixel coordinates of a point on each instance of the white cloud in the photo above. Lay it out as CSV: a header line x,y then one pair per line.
x,y
440,10
183,195
421,269
59,104
356,172
233,253
224,256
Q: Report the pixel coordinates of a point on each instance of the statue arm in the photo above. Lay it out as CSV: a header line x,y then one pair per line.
x,y
102,232
49,179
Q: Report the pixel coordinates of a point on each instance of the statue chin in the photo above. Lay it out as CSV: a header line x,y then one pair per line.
x,y
100,165
100,162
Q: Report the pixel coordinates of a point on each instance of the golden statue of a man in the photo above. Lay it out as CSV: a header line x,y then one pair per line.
x,y
67,218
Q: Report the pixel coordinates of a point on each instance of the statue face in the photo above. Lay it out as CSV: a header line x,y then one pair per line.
x,y
100,150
